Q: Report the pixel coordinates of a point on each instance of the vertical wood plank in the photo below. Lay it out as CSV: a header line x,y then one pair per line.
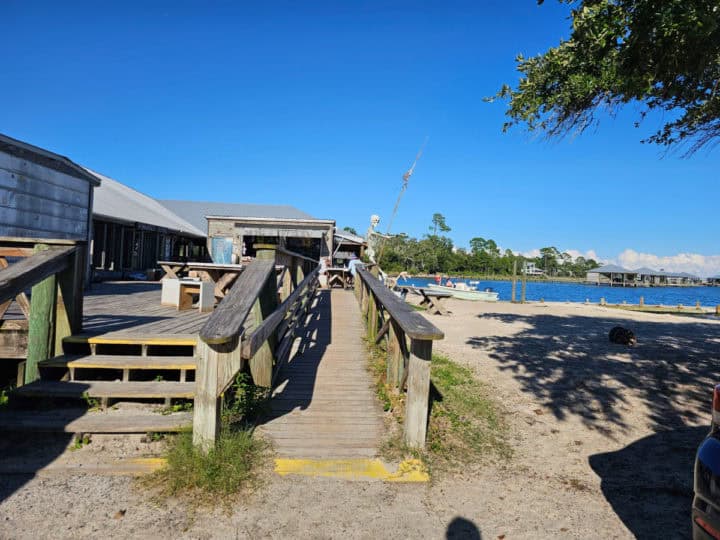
x,y
261,364
393,348
206,410
418,395
372,319
40,324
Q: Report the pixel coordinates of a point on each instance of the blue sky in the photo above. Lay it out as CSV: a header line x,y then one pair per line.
x,y
324,105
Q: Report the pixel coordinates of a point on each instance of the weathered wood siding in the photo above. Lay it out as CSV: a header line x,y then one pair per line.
x,y
41,203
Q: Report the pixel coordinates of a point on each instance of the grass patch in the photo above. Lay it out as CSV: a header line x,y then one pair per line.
x,y
466,425
233,466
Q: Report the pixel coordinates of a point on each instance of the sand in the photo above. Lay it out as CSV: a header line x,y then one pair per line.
x,y
604,439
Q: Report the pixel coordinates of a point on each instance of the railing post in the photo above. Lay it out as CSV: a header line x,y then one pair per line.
x,y
395,359
372,318
418,393
261,364
40,324
68,311
207,410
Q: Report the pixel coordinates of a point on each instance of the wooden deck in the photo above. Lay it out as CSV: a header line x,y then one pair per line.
x,y
324,405
134,308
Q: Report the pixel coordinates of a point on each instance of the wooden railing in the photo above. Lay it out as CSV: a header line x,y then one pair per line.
x,y
54,311
255,324
388,315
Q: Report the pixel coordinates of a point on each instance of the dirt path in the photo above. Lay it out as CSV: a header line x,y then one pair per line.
x,y
604,438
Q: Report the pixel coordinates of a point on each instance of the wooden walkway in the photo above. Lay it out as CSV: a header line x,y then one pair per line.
x,y
324,405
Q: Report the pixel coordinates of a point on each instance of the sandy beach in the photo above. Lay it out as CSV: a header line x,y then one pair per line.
x,y
604,438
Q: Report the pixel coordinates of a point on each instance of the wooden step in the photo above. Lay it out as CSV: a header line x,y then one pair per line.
x,y
116,338
108,389
81,421
108,361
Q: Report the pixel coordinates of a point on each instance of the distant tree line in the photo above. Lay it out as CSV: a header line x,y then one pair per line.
x,y
435,252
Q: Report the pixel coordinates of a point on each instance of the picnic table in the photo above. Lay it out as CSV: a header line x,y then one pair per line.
x,y
223,276
338,275
433,300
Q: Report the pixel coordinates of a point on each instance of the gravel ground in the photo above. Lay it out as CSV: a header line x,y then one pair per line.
x,y
604,440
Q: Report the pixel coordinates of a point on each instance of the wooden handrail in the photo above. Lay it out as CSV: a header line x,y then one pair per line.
x,y
249,329
389,317
30,271
253,342
413,324
226,322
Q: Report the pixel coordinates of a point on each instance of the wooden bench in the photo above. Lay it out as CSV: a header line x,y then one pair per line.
x,y
179,293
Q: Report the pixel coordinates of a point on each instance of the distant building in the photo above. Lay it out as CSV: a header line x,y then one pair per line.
x,y
617,276
233,228
347,245
132,231
529,269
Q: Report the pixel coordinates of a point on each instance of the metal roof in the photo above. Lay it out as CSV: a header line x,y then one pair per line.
x,y
195,211
645,271
117,201
354,238
612,269
45,158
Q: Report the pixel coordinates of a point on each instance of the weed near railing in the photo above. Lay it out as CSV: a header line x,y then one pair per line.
x,y
466,426
232,466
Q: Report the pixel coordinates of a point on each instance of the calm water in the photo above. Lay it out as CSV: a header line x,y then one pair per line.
x,y
575,292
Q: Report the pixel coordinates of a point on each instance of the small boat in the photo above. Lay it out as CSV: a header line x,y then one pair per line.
x,y
463,292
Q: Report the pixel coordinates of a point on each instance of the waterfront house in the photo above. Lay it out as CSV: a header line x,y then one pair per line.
x,y
530,269
613,275
617,276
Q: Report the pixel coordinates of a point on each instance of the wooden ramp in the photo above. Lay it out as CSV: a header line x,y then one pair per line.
x,y
324,405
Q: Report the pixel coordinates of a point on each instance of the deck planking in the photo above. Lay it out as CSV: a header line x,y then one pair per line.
x,y
324,405
133,307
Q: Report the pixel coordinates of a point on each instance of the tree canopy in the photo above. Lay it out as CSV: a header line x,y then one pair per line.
x,y
664,54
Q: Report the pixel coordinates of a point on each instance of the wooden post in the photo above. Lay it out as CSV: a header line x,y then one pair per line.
x,y
396,358
207,410
261,364
68,311
418,394
514,281
372,318
287,284
642,301
40,324
602,301
522,288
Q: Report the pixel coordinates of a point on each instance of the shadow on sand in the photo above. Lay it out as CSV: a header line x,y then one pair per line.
x,y
568,364
649,483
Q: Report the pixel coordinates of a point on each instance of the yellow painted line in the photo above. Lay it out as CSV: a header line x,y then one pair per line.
x,y
410,470
82,364
130,341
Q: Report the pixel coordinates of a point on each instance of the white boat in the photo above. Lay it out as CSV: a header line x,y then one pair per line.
x,y
464,292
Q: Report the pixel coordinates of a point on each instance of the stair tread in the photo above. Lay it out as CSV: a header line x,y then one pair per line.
x,y
110,389
102,361
80,421
119,338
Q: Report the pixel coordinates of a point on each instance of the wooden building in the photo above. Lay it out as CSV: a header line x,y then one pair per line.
x,y
233,229
347,245
132,231
45,204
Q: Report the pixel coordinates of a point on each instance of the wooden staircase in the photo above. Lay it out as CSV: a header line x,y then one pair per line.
x,y
109,368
